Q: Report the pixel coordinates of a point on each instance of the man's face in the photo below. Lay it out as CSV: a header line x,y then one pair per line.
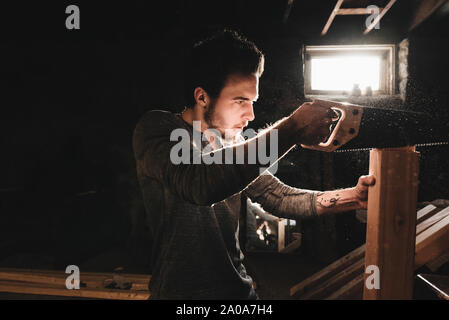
x,y
233,108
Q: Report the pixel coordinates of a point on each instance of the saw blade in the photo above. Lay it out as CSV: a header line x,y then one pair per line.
x,y
429,144
388,128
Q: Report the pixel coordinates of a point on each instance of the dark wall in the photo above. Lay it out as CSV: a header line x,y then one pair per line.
x,y
428,91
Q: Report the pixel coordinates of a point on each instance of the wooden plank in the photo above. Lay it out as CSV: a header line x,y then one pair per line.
x,y
432,242
331,17
391,222
44,279
332,284
436,263
88,276
42,289
86,281
425,213
355,11
432,220
292,246
379,17
352,290
281,234
52,282
353,257
326,273
429,245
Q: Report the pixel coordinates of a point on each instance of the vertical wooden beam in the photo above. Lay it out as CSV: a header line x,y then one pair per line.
x,y
331,17
281,234
390,238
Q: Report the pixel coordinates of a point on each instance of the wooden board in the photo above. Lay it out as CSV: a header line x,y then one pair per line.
x,y
335,282
52,282
391,222
433,242
61,274
313,281
352,290
292,246
425,213
435,264
281,234
432,220
430,244
45,289
356,256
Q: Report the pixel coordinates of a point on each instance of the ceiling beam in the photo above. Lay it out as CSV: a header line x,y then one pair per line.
x,y
355,11
331,17
422,11
287,10
380,16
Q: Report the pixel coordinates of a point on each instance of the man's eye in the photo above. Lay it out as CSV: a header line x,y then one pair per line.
x,y
240,101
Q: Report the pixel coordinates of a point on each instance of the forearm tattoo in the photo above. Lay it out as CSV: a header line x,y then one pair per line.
x,y
331,200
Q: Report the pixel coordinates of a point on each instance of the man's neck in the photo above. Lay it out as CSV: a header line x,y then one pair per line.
x,y
194,114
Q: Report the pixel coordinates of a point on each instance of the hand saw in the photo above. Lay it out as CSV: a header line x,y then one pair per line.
x,y
362,128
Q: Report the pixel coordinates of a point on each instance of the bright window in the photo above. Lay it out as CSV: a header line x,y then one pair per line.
x,y
338,69
342,73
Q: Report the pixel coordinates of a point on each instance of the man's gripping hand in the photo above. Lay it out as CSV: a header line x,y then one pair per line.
x,y
346,199
312,122
361,190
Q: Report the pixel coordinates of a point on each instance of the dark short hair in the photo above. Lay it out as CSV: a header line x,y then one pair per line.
x,y
214,59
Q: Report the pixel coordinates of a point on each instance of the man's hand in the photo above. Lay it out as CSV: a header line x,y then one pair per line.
x,y
346,199
312,122
361,190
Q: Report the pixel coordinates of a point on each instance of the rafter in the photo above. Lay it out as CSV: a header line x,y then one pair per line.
x,y
423,10
355,11
331,17
380,16
288,9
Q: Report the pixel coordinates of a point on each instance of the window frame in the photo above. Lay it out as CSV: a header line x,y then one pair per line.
x,y
387,53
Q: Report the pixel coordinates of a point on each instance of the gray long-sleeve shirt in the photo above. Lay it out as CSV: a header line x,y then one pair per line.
x,y
194,209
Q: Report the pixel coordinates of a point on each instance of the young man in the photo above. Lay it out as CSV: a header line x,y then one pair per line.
x,y
194,207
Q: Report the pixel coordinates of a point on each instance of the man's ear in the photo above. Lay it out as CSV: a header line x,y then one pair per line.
x,y
201,97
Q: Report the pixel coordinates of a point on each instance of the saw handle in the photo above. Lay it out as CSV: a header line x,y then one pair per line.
x,y
346,127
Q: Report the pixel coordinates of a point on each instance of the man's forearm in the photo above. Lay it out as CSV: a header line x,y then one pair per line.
x,y
337,201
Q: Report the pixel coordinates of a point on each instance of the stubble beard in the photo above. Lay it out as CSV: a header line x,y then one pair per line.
x,y
210,119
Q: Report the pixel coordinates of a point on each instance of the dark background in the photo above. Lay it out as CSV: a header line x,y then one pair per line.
x,y
70,100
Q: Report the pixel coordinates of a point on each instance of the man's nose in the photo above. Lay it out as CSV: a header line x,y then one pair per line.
x,y
249,113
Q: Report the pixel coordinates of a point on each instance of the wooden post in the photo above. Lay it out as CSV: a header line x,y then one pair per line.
x,y
281,234
391,222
